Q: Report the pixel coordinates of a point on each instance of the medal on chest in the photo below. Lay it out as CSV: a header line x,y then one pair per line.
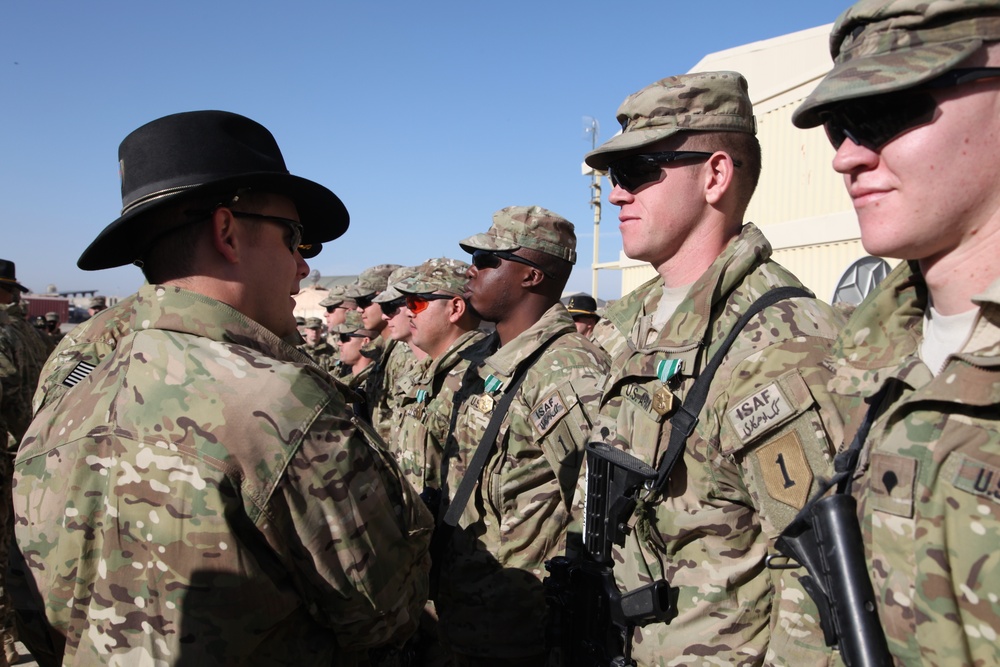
x,y
663,398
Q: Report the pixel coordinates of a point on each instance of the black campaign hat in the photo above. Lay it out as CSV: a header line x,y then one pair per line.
x,y
8,275
201,152
582,304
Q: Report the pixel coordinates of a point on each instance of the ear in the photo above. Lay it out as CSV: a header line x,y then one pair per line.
x,y
532,277
719,171
224,236
456,309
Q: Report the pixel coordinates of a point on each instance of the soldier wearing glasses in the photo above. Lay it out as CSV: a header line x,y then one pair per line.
x,y
912,107
683,169
492,606
192,489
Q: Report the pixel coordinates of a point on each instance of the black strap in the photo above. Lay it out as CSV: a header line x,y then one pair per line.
x,y
847,461
686,418
485,447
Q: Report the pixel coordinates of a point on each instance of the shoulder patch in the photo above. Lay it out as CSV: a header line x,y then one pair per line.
x,y
78,374
547,412
760,412
785,469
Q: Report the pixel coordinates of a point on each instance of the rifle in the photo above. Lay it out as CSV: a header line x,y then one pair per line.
x,y
591,621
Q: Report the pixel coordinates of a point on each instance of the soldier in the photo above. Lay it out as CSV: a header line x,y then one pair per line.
x,y
192,490
52,327
22,354
352,338
911,107
337,306
491,602
97,304
315,345
583,308
683,170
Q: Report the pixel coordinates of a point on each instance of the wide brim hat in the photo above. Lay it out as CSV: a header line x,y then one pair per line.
x,y
8,275
201,153
886,47
582,304
694,102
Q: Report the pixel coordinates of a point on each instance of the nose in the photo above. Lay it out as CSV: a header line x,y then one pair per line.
x,y
619,196
471,272
301,266
851,157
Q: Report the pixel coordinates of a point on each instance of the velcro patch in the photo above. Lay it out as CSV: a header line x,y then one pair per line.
x,y
978,478
786,472
78,374
760,412
547,412
893,480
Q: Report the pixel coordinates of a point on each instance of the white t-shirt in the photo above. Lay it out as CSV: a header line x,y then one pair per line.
x,y
944,335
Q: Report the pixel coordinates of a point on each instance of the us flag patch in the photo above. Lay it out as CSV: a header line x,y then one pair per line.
x,y
77,375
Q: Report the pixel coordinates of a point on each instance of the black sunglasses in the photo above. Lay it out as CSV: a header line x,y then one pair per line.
x,y
490,259
295,242
346,338
363,302
874,121
634,171
390,308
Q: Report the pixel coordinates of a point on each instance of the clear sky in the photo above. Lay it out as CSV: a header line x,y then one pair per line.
x,y
424,117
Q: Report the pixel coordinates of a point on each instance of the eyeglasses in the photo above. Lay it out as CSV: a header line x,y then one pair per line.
x,y
417,303
634,171
363,302
330,309
390,308
295,242
874,121
490,259
346,338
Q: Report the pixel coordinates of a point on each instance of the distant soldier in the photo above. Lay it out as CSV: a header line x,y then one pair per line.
x,y
352,337
521,503
52,327
191,489
315,344
583,308
97,304
337,306
22,354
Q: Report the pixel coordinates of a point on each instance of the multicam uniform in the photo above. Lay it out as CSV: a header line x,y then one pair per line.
x,y
426,419
491,601
382,388
222,506
928,478
323,354
752,462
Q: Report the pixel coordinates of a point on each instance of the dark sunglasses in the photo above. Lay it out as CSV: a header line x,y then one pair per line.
x,y
363,302
330,309
874,121
295,242
490,259
634,171
390,308
417,303
346,338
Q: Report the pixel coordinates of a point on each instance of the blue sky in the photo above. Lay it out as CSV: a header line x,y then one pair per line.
x,y
424,118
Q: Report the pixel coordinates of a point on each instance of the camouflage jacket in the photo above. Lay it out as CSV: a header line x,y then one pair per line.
x,y
323,354
754,458
198,494
392,372
928,478
22,355
426,419
491,601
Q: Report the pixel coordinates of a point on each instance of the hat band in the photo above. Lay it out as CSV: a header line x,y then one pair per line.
x,y
872,42
158,195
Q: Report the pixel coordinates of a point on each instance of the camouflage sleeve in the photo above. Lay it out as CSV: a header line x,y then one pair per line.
x,y
15,400
359,536
780,426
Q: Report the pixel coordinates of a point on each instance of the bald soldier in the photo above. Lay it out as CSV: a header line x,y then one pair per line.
x,y
193,489
912,107
683,170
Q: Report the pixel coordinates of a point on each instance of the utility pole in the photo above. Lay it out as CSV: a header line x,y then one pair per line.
x,y
591,128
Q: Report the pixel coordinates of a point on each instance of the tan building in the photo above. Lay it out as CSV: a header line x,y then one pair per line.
x,y
801,203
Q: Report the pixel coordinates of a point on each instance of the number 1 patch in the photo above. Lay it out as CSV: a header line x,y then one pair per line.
x,y
786,471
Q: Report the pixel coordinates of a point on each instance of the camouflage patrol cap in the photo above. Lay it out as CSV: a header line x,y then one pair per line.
x,y
441,274
300,321
696,102
98,302
883,46
391,292
51,317
354,324
372,280
527,227
313,323
334,297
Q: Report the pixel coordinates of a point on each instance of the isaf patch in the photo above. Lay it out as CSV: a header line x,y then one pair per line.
x,y
785,469
760,412
547,412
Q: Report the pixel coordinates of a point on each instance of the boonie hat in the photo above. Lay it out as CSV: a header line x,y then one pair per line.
x,y
201,153
441,274
880,47
371,280
696,102
582,304
527,227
